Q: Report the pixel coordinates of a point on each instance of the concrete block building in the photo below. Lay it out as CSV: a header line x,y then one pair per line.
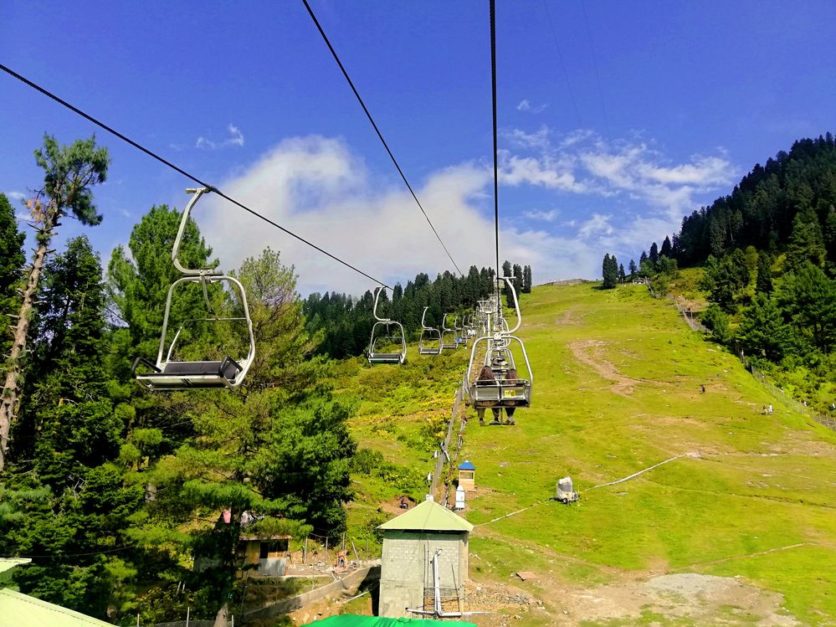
x,y
410,542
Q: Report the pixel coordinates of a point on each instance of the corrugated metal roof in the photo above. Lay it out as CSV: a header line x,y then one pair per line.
x,y
7,563
21,610
428,516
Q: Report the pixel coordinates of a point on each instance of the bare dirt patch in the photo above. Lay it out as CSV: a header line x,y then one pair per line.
x,y
590,353
689,597
570,317
705,599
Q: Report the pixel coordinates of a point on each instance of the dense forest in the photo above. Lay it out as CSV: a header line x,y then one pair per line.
x,y
118,494
769,256
344,322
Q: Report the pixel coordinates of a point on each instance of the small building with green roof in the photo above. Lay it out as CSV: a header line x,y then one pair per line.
x,y
21,610
410,542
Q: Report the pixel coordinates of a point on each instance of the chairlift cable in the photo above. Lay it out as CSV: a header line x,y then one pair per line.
x,y
181,171
377,130
495,145
562,64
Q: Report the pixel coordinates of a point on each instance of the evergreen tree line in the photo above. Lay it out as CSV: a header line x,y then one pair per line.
x,y
116,493
761,210
777,312
657,268
344,323
769,255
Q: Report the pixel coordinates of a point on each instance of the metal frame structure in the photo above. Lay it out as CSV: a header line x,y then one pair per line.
x,y
447,332
500,392
383,329
429,336
170,374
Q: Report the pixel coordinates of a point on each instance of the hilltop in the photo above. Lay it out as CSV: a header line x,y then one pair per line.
x,y
741,512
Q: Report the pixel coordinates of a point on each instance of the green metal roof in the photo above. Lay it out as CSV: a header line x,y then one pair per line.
x,y
21,610
350,620
7,563
428,516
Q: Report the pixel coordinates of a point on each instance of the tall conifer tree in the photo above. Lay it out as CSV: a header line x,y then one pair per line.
x,y
69,174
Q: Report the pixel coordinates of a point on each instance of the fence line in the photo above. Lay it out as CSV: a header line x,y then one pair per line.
x,y
443,452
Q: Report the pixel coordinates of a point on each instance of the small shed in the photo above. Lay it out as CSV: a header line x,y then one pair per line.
x,y
265,555
467,475
410,543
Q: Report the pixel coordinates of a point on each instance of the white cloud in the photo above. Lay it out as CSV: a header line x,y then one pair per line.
x,y
235,138
525,105
16,198
582,162
542,171
521,139
596,225
316,187
545,216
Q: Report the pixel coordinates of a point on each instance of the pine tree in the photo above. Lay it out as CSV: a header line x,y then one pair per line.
x,y
764,274
806,243
633,268
725,278
527,279
69,174
666,250
610,271
518,278
70,506
762,330
11,265
654,253
807,297
621,276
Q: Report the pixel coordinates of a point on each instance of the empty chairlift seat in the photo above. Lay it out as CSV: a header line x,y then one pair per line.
x,y
430,341
387,344
222,300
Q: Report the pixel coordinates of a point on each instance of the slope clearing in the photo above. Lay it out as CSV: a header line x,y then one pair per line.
x,y
619,388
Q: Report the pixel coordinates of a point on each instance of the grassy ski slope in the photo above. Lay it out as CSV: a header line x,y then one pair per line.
x,y
618,389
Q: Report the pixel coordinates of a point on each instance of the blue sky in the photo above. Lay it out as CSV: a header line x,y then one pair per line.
x,y
616,119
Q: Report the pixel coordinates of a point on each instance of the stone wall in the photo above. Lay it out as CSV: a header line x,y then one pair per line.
x,y
406,568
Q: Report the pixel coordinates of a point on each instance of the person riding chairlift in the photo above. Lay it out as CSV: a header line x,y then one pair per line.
x,y
485,374
509,411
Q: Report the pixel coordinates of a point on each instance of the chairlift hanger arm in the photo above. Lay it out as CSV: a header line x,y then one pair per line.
x,y
181,231
510,283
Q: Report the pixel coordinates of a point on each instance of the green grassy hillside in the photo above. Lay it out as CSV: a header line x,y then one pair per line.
x,y
618,388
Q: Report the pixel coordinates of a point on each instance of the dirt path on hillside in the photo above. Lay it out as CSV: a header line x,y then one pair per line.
x,y
662,599
703,599
633,597
590,353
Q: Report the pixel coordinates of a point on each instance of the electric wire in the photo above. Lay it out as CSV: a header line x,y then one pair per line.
x,y
495,144
595,67
181,171
377,131
560,60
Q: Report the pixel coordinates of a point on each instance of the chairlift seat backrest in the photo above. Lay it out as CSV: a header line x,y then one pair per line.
x,y
384,328
430,342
